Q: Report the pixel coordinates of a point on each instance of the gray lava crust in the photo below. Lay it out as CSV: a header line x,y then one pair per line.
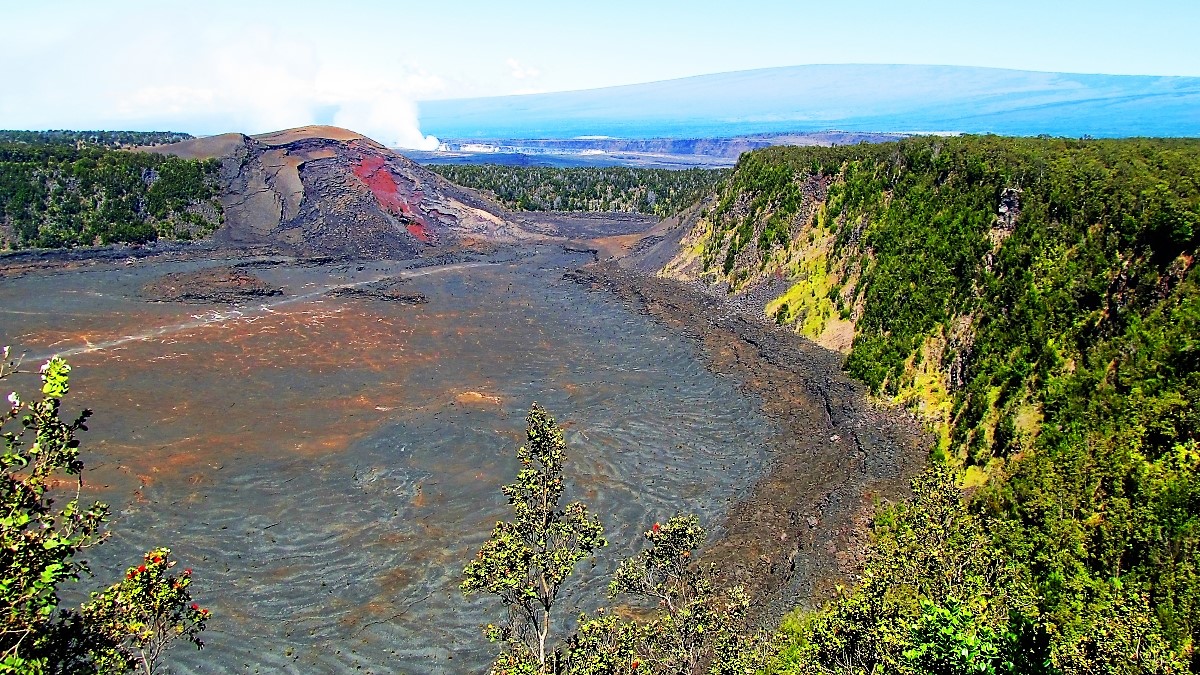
x,y
835,453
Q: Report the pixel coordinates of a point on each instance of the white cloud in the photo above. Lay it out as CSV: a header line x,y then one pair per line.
x,y
242,79
390,119
521,72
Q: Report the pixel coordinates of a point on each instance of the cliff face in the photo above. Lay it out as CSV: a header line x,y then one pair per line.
x,y
1038,300
329,191
943,268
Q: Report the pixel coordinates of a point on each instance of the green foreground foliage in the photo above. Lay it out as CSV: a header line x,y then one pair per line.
x,y
61,192
678,621
123,628
527,560
659,192
1049,286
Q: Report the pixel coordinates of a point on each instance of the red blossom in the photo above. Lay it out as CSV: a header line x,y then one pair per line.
x,y
196,606
634,665
141,568
187,572
656,527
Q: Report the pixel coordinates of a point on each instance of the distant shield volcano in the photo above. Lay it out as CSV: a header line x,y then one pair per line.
x,y
323,190
876,98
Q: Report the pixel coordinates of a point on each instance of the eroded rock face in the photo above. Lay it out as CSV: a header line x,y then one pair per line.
x,y
329,191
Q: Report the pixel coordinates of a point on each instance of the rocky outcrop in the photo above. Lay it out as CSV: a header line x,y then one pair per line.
x,y
329,191
387,290
215,284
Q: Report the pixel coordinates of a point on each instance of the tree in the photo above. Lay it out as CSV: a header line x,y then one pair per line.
x,y
527,559
38,548
697,626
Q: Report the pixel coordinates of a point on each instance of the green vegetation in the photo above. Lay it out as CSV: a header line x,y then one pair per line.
x,y
659,192
687,623
1046,287
526,561
63,193
124,627
684,623
113,139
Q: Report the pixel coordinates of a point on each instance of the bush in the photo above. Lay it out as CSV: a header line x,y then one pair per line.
x,y
124,627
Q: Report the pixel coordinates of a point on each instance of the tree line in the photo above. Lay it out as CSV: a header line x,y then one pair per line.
x,y
113,139
61,194
659,192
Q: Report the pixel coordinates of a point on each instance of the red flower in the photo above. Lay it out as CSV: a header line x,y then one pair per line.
x,y
187,572
634,665
196,606
141,568
655,528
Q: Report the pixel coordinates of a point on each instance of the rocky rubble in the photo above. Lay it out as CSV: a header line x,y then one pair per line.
x,y
223,284
835,452
385,289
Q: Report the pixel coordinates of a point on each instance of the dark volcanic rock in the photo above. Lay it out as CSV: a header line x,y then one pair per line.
x,y
384,289
804,525
214,284
317,191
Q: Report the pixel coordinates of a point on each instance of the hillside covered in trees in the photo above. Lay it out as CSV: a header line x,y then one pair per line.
x,y
1036,301
659,192
72,189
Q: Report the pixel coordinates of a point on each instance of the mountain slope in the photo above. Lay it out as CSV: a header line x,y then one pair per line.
x,y
1037,301
849,97
330,191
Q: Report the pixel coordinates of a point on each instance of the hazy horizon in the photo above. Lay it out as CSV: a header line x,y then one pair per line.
x,y
257,67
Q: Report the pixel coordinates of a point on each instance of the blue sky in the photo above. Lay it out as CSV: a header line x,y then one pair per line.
x,y
206,67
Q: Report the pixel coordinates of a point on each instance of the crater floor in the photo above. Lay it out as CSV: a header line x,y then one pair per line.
x,y
326,463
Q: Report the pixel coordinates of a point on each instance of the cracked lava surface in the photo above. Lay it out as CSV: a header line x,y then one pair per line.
x,y
327,465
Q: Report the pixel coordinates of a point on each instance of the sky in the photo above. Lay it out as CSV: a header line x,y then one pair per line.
x,y
213,66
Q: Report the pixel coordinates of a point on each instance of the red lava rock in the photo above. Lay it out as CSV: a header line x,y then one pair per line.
x,y
373,171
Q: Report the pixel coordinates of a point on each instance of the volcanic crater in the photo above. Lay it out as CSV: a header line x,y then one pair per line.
x,y
323,438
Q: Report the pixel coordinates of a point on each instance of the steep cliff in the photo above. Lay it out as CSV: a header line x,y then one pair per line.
x,y
904,255
1037,301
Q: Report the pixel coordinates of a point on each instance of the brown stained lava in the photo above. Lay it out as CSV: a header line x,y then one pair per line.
x,y
213,284
233,406
803,526
390,584
477,398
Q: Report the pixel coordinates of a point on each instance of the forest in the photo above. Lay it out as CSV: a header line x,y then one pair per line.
x,y
113,139
1036,300
62,189
659,192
